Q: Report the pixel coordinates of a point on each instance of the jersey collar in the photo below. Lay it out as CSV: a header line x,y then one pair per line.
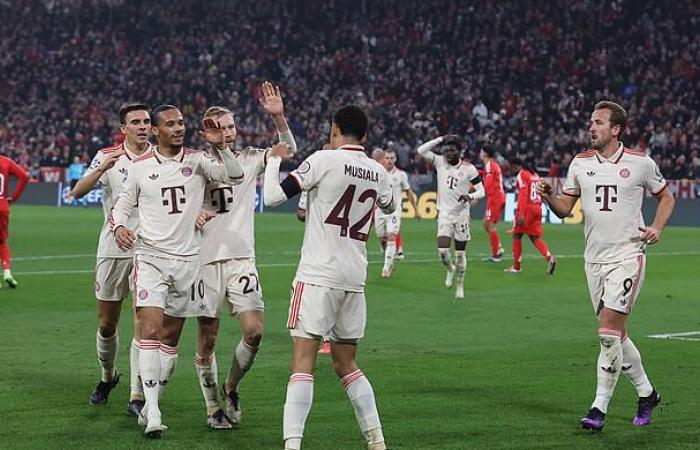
x,y
352,147
614,158
180,157
131,155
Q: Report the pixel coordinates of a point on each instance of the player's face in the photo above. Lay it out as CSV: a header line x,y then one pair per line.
x,y
390,158
137,128
228,126
452,155
601,130
170,130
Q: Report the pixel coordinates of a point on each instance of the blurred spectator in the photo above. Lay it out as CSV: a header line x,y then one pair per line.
x,y
521,74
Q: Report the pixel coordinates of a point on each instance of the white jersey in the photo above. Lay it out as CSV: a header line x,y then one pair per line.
x,y
112,182
611,192
230,235
343,185
452,183
169,193
398,179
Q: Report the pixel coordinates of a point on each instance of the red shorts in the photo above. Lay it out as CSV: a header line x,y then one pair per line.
x,y
533,222
4,225
494,210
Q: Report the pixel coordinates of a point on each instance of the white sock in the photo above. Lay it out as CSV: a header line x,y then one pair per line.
x,y
107,348
243,359
149,368
461,266
6,273
361,396
608,369
168,358
207,373
446,258
136,387
300,395
633,369
389,254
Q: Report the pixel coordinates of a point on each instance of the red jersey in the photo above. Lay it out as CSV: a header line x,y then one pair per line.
x,y
493,180
527,191
8,168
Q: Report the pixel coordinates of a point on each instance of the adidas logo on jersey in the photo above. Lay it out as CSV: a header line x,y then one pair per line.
x,y
590,173
153,176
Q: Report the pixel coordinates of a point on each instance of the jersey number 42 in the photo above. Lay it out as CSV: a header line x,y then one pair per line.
x,y
340,215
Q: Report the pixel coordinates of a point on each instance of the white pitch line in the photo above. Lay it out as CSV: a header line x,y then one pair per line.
x,y
677,336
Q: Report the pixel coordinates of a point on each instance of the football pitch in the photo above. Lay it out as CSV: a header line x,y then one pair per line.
x,y
510,366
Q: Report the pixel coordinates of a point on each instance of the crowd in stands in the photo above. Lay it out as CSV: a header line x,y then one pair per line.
x,y
522,75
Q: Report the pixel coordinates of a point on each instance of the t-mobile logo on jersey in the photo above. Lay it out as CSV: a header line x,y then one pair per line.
x,y
172,199
220,197
609,192
451,182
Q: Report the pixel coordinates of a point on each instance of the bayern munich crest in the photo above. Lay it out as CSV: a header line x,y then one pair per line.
x,y
186,171
625,173
143,294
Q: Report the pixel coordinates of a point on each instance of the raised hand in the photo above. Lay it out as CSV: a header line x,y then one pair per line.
x,y
213,133
271,100
281,150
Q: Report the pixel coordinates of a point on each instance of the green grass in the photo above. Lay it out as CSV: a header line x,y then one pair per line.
x,y
512,366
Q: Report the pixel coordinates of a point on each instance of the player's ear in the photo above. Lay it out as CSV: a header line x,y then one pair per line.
x,y
363,139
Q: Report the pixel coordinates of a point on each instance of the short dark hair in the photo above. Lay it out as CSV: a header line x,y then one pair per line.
x,y
351,121
126,108
155,114
618,115
489,150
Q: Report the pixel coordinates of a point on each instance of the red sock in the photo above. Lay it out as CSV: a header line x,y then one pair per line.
x,y
5,255
517,252
542,247
399,243
495,242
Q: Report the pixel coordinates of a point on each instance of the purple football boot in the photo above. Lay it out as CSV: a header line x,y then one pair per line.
x,y
645,406
594,420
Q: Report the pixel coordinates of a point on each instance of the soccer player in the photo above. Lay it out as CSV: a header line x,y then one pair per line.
x,y
8,168
343,186
113,267
528,217
167,183
610,181
388,226
495,200
228,258
455,179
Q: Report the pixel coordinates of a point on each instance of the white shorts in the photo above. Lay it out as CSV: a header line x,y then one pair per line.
x,y
170,284
316,312
387,224
616,285
235,280
113,278
454,228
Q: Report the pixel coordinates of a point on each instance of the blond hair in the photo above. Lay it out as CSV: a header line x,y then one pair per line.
x,y
215,111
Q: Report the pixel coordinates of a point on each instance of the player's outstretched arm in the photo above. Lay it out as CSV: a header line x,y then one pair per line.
x,y
561,205
651,234
274,192
92,177
231,172
426,150
272,103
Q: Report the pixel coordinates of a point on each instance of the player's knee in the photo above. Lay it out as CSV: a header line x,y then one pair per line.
x,y
253,337
343,367
107,328
391,237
